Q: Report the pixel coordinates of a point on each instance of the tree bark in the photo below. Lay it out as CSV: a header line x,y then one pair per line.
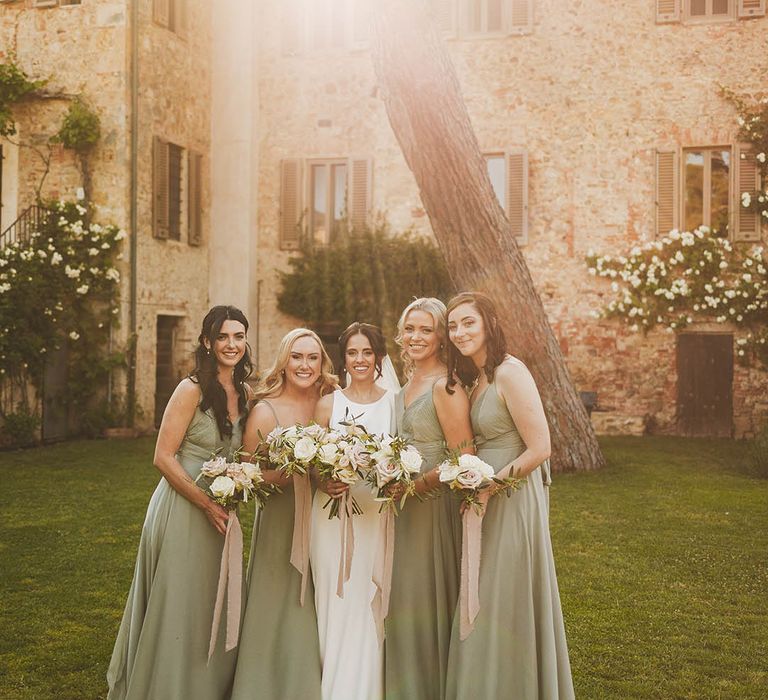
x,y
429,118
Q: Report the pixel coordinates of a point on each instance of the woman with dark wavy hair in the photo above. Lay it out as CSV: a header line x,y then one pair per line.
x,y
161,648
515,647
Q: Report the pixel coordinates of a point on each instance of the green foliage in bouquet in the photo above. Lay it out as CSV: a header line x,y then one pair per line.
x,y
368,276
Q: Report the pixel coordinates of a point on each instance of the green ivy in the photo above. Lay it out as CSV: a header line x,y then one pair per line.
x,y
59,288
368,276
14,86
80,129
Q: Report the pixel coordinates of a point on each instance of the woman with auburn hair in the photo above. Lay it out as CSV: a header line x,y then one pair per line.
x,y
425,572
515,647
279,653
162,646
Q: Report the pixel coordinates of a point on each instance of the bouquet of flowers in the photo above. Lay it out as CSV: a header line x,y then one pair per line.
x,y
292,449
392,462
231,482
468,474
342,455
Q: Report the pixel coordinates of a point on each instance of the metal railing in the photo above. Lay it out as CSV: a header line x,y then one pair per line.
x,y
32,219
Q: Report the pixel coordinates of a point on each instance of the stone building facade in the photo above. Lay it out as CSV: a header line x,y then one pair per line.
x,y
579,107
85,48
579,101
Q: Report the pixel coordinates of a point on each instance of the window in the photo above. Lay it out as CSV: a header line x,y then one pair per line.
x,y
706,188
313,26
327,199
508,172
337,191
171,14
478,18
195,207
167,191
174,191
702,186
708,10
484,16
700,9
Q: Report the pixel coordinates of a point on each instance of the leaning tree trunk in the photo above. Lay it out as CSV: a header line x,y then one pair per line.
x,y
429,118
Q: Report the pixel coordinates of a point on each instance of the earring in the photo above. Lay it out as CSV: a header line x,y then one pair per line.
x,y
207,351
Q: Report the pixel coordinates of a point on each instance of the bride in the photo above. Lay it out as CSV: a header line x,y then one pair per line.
x,y
353,663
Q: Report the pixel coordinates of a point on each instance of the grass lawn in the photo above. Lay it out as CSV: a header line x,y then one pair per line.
x,y
662,562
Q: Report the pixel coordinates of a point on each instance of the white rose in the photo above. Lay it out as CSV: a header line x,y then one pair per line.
x,y
223,487
253,472
470,479
328,453
313,430
411,460
448,472
386,471
305,449
214,467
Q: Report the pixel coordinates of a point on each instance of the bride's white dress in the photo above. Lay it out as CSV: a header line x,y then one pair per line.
x,y
353,661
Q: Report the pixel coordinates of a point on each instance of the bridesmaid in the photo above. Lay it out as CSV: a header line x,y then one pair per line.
x,y
346,625
161,648
518,648
425,575
279,654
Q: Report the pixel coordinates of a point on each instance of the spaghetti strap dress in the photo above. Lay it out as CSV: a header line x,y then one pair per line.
x,y
279,652
162,646
518,649
425,572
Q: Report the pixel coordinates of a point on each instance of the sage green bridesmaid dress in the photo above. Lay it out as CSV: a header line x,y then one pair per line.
x,y
518,648
161,652
425,572
279,651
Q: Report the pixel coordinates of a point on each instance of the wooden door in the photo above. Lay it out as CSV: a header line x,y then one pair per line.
x,y
705,384
165,369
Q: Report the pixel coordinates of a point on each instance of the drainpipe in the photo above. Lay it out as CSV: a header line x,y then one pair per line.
x,y
134,206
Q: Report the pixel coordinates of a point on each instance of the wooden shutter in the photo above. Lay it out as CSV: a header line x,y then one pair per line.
x,y
751,8
160,194
195,206
667,191
161,12
359,192
746,222
360,23
292,27
290,203
444,13
517,193
521,16
667,11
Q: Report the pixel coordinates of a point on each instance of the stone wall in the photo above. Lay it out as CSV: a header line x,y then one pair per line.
x,y
86,49
591,93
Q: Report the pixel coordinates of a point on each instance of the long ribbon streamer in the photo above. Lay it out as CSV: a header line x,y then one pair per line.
x,y
347,542
230,583
302,494
469,596
382,571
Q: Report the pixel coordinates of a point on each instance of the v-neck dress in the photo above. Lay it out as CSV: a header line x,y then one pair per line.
x,y
425,575
518,648
162,646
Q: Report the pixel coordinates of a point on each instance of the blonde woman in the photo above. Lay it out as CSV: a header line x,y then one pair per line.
x,y
425,575
279,653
